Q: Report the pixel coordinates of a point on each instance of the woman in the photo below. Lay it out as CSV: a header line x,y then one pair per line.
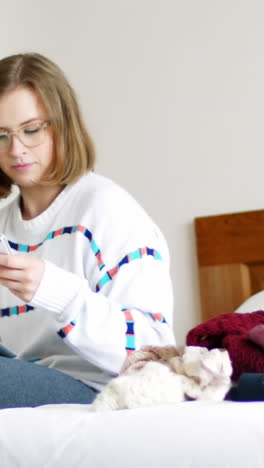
x,y
88,281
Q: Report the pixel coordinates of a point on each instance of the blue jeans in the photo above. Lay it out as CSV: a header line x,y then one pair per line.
x,y
26,384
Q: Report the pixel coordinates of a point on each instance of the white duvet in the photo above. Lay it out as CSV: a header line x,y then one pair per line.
x,y
185,435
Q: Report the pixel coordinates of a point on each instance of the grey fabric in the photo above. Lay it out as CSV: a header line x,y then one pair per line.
x,y
250,387
27,384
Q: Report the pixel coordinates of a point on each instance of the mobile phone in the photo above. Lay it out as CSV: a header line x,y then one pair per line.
x,y
6,352
4,245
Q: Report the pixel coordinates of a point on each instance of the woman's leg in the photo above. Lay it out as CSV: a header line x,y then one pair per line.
x,y
26,384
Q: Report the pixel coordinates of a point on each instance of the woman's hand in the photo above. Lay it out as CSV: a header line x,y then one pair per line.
x,y
21,274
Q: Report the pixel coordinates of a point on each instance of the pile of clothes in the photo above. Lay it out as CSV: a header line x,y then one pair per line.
x,y
242,335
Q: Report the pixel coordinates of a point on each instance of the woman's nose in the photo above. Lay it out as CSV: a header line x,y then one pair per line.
x,y
16,146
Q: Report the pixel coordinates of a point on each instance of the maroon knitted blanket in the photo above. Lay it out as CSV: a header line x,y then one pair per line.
x,y
231,331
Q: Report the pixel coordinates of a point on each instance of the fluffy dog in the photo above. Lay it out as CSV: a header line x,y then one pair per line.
x,y
166,375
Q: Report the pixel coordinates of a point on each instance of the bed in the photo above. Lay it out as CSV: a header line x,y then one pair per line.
x,y
198,434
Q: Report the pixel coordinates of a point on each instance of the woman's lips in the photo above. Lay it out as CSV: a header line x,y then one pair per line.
x,y
23,167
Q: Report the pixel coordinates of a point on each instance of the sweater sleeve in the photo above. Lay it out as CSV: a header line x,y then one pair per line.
x,y
128,305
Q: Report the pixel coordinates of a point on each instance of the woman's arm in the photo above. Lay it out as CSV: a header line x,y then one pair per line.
x,y
132,309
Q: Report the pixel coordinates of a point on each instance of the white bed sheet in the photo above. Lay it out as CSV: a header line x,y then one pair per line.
x,y
190,434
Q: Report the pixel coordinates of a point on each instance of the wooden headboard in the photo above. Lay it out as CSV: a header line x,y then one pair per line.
x,y
230,253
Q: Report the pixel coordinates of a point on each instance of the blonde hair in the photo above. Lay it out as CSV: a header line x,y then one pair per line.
x,y
74,148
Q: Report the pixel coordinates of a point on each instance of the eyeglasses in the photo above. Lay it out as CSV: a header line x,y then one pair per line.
x,y
31,134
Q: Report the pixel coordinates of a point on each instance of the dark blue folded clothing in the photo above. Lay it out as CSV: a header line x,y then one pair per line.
x,y
250,387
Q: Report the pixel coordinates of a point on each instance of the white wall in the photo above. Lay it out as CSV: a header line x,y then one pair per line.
x,y
173,94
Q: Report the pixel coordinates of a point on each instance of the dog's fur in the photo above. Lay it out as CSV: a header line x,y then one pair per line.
x,y
165,375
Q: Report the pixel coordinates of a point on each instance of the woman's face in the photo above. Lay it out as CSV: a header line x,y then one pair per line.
x,y
25,165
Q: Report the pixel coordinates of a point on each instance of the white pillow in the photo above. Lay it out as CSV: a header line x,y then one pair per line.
x,y
253,303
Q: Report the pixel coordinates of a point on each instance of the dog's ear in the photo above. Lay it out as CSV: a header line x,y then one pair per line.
x,y
139,358
165,353
161,353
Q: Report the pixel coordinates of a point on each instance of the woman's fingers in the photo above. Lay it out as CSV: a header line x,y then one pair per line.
x,y
18,261
21,274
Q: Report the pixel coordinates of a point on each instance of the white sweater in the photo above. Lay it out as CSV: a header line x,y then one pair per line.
x,y
106,289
